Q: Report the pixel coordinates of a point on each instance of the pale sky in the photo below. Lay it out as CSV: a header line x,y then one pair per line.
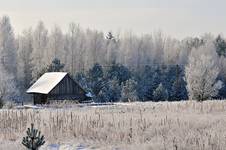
x,y
178,18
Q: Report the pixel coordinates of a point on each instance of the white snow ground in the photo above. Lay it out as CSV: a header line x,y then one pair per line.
x,y
14,145
65,147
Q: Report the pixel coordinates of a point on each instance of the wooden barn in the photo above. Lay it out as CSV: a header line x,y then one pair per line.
x,y
57,86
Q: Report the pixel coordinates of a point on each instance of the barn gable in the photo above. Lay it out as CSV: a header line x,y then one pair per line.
x,y
67,86
56,86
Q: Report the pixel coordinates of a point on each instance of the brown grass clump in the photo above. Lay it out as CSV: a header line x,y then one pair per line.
x,y
163,126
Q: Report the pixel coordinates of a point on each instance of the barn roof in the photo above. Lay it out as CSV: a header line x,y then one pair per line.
x,y
46,82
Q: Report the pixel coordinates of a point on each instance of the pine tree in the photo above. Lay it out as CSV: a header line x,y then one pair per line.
x,y
110,36
160,93
103,96
156,78
34,140
118,71
112,47
82,80
56,66
96,72
220,44
129,92
114,90
111,92
178,91
176,85
1,103
148,80
95,79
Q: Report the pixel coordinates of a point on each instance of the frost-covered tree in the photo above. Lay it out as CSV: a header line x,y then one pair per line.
x,y
159,45
8,90
8,60
171,51
72,39
96,47
160,93
129,92
186,46
136,52
202,71
55,45
7,45
38,56
24,65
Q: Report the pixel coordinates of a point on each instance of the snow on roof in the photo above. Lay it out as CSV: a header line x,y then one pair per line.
x,y
46,82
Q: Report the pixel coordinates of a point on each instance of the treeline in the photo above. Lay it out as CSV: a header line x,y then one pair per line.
x,y
118,83
113,66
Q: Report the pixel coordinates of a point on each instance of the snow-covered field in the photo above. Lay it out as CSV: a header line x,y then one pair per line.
x,y
162,126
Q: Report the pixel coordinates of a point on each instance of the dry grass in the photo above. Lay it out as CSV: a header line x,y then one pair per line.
x,y
157,126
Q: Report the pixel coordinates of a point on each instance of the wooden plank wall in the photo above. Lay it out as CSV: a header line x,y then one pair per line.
x,y
67,87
